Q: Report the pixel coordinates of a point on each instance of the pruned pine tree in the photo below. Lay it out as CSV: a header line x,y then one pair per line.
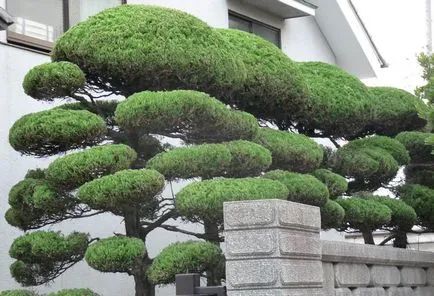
x,y
179,78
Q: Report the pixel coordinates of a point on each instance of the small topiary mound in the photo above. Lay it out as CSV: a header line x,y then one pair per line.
x,y
204,200
335,183
53,80
230,159
74,292
403,216
421,199
292,152
417,145
396,110
35,193
194,114
48,246
332,215
72,171
123,189
364,214
185,257
274,89
340,104
136,47
304,189
18,293
50,132
116,254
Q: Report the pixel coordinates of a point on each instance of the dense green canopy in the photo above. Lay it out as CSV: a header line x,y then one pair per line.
x,y
421,199
185,257
193,114
18,293
304,189
230,159
204,200
127,188
340,104
335,183
116,254
364,214
53,80
72,171
274,88
292,152
395,110
74,292
50,132
132,48
417,146
332,215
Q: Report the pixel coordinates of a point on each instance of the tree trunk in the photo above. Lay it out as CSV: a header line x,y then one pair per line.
x,y
367,236
400,240
133,229
212,231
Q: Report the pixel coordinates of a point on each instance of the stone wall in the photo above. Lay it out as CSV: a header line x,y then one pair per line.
x,y
273,247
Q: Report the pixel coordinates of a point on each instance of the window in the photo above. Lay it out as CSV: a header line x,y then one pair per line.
x,y
38,23
243,23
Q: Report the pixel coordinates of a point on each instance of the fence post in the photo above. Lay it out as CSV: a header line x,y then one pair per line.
x,y
272,247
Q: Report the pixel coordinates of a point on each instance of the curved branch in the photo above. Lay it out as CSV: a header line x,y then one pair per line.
x,y
387,239
204,236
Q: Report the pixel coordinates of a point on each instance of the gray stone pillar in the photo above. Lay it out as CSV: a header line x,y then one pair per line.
x,y
273,248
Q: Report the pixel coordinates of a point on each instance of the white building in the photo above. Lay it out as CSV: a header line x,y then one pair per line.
x,y
312,30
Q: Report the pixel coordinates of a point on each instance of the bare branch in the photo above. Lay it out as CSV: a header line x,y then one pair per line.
x,y
387,239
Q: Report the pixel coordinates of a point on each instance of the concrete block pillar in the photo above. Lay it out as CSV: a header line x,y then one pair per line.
x,y
273,248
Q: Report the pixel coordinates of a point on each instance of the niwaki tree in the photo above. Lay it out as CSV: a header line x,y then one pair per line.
x,y
195,84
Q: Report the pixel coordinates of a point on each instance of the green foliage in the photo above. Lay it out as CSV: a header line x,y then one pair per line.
x,y
421,173
53,80
292,152
137,47
196,115
396,111
416,144
371,161
335,183
231,159
127,188
48,246
50,132
35,174
304,189
340,104
74,292
332,215
403,216
427,63
116,254
18,293
204,200
274,89
421,199
185,257
72,171
364,214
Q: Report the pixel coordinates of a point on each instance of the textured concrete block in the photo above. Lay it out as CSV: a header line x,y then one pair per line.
x,y
352,275
299,216
293,243
251,243
244,214
301,273
385,276
342,292
430,276
251,273
423,291
399,291
328,275
412,276
278,292
369,292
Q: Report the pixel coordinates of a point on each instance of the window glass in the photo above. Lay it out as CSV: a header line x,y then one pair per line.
x,y
80,10
248,25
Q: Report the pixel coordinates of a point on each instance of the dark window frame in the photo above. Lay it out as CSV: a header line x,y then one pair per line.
x,y
40,45
252,21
